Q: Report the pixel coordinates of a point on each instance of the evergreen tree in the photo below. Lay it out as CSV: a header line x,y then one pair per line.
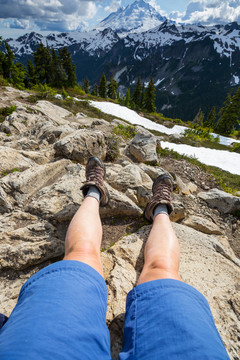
x,y
31,74
211,118
8,64
136,97
95,90
142,99
43,64
229,114
68,66
86,85
112,88
59,77
150,97
128,98
198,120
103,86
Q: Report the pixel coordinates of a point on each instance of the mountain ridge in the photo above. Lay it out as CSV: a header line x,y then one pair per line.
x,y
193,66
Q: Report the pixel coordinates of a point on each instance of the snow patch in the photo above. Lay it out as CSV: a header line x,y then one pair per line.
x,y
223,159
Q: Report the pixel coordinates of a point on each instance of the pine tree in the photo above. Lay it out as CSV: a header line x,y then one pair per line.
x,y
211,118
31,74
86,85
59,74
136,97
198,120
95,90
42,59
128,98
8,64
112,88
150,97
229,114
103,86
142,99
68,66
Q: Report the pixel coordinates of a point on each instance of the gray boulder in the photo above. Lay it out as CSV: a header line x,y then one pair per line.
x,y
143,148
82,144
226,203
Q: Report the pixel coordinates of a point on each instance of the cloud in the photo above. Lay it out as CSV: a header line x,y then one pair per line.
x,y
210,12
53,15
114,6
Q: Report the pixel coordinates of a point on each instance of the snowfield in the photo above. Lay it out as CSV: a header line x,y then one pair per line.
x,y
229,161
225,160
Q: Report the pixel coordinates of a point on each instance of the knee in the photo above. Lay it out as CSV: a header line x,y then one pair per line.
x,y
83,249
163,263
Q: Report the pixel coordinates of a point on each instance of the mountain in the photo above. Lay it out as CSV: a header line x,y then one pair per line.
x,y
136,17
193,66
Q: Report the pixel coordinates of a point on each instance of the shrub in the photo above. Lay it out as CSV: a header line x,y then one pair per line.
x,y
236,148
127,132
3,82
112,148
200,134
5,111
44,91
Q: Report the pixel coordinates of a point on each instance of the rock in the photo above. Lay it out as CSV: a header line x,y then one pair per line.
x,y
185,189
81,115
12,126
143,148
153,171
82,144
61,200
12,160
5,206
199,255
178,213
35,156
52,133
132,177
56,113
119,204
202,224
29,245
22,186
224,202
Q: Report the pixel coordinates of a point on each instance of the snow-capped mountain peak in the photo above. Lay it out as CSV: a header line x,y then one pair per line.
x,y
136,17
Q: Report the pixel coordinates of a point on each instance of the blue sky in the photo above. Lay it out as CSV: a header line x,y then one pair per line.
x,y
20,16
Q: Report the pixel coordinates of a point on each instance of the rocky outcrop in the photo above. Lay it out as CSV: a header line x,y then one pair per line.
x,y
224,202
202,224
143,148
43,151
82,144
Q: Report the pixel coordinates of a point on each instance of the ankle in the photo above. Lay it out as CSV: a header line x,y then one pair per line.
x,y
93,192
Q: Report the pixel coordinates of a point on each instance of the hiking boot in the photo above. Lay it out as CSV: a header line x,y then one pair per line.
x,y
162,189
95,174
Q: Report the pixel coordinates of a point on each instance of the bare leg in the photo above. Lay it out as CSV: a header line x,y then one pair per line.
x,y
161,254
84,235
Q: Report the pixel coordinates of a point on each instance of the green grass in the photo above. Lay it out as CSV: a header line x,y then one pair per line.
x,y
229,182
127,132
5,111
5,173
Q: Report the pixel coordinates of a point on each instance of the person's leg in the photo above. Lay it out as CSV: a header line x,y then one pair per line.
x,y
162,253
166,318
84,235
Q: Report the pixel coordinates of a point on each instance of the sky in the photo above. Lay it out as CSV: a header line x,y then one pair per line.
x,y
44,16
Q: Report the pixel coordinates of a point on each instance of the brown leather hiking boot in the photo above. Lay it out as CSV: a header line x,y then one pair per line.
x,y
162,189
95,173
